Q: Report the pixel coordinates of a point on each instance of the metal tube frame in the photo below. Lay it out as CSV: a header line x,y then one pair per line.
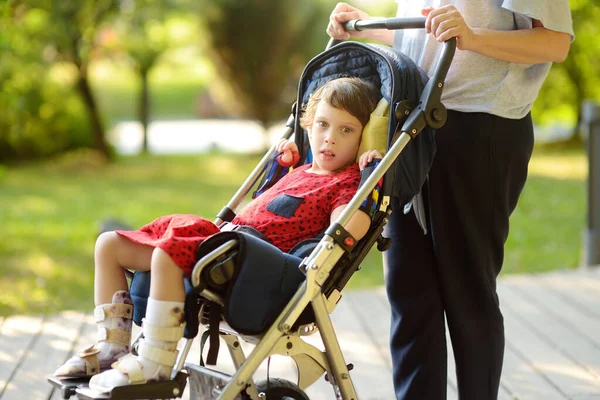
x,y
256,172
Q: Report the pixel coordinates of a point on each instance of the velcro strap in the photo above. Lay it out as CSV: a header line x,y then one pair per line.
x,y
90,357
156,354
104,311
113,335
163,333
130,366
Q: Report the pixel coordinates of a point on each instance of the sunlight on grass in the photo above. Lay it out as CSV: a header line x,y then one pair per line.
x,y
571,166
52,213
36,204
546,229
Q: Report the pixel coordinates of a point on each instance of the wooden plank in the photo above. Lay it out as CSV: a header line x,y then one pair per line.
x,y
519,377
520,380
566,376
367,375
86,337
279,366
371,374
575,289
553,331
51,346
452,392
589,277
374,320
552,349
17,335
584,325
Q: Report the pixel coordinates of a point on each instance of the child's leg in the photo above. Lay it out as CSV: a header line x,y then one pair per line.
x,y
114,307
166,277
163,328
112,254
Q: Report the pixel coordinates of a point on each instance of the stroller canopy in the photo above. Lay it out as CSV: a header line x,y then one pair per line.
x,y
399,79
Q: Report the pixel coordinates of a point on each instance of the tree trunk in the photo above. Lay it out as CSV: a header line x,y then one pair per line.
x,y
85,90
144,109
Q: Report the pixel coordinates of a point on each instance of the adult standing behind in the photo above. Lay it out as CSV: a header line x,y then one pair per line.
x,y
504,52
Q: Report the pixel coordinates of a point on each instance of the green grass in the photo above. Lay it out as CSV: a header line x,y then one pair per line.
x,y
546,229
50,215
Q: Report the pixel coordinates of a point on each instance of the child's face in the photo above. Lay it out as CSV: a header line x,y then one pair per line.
x,y
334,138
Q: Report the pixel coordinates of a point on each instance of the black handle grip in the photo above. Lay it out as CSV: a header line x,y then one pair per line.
x,y
391,24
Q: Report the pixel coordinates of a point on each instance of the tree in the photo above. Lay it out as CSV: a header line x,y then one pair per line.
x,y
258,49
142,37
70,36
38,116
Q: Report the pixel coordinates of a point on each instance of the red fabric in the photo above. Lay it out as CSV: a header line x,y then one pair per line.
x,y
321,194
180,234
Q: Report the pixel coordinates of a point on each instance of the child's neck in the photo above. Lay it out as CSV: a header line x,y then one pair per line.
x,y
322,171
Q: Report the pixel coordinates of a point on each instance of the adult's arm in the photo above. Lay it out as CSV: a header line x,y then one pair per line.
x,y
526,46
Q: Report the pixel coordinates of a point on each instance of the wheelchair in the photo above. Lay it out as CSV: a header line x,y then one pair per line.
x,y
275,315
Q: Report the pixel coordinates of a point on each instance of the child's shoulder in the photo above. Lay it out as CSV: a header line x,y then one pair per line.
x,y
348,174
351,170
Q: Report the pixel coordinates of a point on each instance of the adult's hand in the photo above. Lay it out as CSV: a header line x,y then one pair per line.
x,y
343,13
447,22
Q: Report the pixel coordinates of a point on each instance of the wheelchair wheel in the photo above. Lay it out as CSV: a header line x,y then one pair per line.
x,y
280,389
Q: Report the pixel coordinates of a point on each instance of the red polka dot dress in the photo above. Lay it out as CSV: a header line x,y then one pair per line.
x,y
178,235
297,207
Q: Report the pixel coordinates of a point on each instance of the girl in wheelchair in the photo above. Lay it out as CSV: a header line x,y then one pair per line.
x,y
300,206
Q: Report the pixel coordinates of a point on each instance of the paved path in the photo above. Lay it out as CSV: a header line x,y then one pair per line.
x,y
552,326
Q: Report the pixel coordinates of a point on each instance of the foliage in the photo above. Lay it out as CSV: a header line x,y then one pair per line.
x,y
258,49
38,117
67,32
574,80
142,37
173,89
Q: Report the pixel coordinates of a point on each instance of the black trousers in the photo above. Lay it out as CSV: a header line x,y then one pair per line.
x,y
477,176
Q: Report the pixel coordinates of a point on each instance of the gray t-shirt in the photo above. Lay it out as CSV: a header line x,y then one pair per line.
x,y
476,83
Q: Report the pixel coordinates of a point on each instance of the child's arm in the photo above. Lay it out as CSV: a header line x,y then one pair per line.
x,y
358,225
366,157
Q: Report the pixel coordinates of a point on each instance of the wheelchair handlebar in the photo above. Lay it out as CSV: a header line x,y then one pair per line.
x,y
391,24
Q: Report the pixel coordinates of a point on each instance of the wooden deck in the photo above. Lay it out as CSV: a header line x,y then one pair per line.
x,y
552,326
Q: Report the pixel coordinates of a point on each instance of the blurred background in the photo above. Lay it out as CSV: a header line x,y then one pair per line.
x,y
128,110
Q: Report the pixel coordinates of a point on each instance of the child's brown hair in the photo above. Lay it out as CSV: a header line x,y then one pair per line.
x,y
353,95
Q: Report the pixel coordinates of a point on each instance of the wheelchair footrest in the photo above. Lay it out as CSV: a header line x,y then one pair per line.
x,y
206,383
67,386
155,390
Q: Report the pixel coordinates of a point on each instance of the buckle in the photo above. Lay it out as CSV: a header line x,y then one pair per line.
x,y
99,314
90,351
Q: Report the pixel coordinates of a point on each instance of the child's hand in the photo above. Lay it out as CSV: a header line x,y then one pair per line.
x,y
289,152
367,157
